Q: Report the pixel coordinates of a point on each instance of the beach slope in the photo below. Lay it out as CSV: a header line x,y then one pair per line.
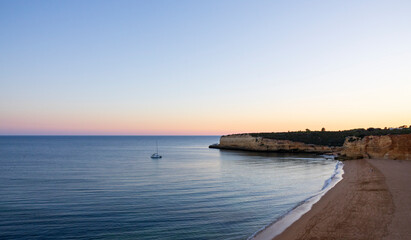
x,y
371,202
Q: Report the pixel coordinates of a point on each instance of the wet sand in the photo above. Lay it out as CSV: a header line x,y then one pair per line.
x,y
373,201
398,179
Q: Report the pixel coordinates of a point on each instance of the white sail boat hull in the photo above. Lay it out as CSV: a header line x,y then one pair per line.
x,y
156,155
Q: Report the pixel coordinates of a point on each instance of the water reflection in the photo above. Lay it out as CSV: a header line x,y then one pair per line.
x,y
270,158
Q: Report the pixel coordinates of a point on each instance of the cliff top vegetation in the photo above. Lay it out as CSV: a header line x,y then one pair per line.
x,y
330,138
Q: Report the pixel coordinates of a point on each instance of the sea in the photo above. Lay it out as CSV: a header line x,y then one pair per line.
x,y
108,187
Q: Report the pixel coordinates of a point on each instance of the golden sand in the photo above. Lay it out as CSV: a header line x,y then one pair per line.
x,y
373,201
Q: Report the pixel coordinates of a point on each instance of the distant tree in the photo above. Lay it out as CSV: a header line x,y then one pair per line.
x,y
322,129
331,138
385,128
307,130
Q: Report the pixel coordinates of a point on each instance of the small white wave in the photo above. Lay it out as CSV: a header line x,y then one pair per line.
x,y
272,230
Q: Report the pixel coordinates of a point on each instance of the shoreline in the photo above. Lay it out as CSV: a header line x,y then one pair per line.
x,y
277,227
371,202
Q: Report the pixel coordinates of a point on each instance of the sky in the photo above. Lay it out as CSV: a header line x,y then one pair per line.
x,y
202,67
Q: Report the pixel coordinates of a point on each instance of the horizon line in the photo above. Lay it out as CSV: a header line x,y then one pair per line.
x,y
97,135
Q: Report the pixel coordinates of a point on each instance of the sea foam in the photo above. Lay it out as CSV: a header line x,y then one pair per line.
x,y
277,227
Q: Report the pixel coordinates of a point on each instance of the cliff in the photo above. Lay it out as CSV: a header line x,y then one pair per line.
x,y
250,143
386,147
383,147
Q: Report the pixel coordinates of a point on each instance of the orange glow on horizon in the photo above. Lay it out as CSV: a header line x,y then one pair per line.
x,y
71,127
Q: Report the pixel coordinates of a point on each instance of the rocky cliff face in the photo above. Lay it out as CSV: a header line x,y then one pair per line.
x,y
247,142
387,147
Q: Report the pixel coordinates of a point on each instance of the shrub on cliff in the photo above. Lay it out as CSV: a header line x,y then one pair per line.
x,y
329,138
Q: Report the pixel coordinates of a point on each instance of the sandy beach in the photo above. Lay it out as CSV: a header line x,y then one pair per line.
x,y
373,201
398,178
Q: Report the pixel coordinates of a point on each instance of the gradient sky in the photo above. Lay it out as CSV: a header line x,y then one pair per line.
x,y
203,67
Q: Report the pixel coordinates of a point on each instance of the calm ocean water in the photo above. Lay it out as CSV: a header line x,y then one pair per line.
x,y
110,188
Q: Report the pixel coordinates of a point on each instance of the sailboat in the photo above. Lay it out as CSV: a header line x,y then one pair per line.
x,y
156,155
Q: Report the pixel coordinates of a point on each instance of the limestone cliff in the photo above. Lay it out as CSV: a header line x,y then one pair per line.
x,y
250,143
387,147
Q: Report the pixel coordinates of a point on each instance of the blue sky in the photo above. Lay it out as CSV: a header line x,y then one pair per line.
x,y
202,67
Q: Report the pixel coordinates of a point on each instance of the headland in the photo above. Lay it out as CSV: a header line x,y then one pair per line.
x,y
349,144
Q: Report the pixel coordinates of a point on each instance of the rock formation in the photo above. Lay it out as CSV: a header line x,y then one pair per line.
x,y
250,143
384,146
387,147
